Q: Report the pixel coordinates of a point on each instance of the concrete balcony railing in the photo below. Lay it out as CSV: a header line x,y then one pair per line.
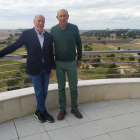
x,y
21,102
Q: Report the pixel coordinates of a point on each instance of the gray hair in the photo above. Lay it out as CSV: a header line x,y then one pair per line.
x,y
62,9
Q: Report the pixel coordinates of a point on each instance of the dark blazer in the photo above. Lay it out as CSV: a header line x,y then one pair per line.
x,y
35,54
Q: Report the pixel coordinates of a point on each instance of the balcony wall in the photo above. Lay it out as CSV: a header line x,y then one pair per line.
x,y
17,103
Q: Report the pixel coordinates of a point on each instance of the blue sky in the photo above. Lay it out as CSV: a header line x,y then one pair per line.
x,y
86,14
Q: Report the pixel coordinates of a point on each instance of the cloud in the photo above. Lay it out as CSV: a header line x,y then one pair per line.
x,y
20,13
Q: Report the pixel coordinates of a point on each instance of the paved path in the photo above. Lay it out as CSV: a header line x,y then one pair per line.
x,y
104,120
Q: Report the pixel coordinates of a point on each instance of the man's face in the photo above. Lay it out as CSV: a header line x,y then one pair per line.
x,y
39,23
62,17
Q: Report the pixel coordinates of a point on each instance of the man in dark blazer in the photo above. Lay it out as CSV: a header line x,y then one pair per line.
x,y
40,62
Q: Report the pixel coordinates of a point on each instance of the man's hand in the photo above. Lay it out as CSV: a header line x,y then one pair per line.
x,y
52,73
79,64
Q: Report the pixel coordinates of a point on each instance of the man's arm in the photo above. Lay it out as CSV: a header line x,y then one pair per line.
x,y
52,73
52,60
20,42
79,48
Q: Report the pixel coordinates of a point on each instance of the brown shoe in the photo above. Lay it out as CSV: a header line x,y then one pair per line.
x,y
76,113
61,114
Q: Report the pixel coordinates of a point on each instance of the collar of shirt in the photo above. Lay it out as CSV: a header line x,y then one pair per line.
x,y
38,32
64,27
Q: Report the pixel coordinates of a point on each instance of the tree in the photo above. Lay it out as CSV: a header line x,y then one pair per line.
x,y
11,35
118,34
134,36
9,38
3,42
124,36
17,34
87,48
9,43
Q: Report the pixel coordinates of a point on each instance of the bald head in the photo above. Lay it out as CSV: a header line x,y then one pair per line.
x,y
62,10
62,16
37,16
39,23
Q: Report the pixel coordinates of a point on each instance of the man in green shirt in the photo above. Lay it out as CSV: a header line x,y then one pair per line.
x,y
66,38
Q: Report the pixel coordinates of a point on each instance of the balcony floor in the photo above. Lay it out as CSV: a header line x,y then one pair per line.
x,y
103,120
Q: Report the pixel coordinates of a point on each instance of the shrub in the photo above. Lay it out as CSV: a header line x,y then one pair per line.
x,y
98,59
88,49
112,72
84,60
22,66
139,61
86,46
27,80
83,66
112,65
112,55
87,67
122,58
89,43
131,58
104,43
12,82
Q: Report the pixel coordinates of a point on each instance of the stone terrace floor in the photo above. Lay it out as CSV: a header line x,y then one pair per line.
x,y
103,120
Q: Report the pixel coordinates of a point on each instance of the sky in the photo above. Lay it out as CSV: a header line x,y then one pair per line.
x,y
86,14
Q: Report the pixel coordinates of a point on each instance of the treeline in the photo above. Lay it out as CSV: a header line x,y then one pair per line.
x,y
130,34
123,33
97,33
